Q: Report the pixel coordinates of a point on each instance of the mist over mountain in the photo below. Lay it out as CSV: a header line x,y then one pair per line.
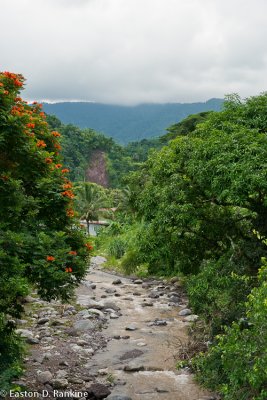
x,y
127,123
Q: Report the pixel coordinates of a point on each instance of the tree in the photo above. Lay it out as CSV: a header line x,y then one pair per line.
x,y
40,243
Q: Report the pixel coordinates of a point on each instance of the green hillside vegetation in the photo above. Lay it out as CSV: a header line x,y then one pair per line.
x,y
78,146
127,123
197,208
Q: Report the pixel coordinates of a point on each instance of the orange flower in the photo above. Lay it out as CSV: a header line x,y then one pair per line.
x,y
68,193
48,160
42,114
18,99
57,146
73,253
65,170
89,246
69,269
17,83
6,92
55,134
58,166
67,185
41,143
50,258
4,177
30,125
70,213
1,84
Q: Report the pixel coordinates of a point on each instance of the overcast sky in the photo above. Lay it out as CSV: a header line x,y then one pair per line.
x,y
135,51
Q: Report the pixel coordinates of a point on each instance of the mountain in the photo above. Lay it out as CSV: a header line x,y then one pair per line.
x,y
127,123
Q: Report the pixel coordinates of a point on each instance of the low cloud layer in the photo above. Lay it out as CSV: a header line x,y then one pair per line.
x,y
135,51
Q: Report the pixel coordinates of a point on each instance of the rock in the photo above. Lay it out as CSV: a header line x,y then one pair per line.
x,y
103,371
147,304
184,312
96,312
119,397
131,328
61,373
191,318
42,321
59,383
32,340
86,301
76,381
111,305
117,282
141,344
136,294
116,337
25,333
174,299
158,322
82,342
98,260
98,391
58,322
113,316
45,377
64,363
133,367
83,325
153,295
110,290
125,337
30,299
138,282
174,279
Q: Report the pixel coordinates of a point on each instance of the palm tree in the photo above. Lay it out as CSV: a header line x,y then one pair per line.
x,y
91,198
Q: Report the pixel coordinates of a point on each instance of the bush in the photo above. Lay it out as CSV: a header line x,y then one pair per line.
x,y
236,365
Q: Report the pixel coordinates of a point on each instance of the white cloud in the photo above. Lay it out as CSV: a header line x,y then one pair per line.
x,y
132,51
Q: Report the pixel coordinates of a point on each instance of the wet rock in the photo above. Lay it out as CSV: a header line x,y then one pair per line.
x,y
83,325
117,282
131,328
110,291
131,354
147,304
111,305
45,377
153,295
98,391
133,367
184,312
138,282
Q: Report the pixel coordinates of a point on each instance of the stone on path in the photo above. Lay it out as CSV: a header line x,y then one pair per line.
x,y
184,312
116,282
98,391
83,325
131,328
45,377
133,367
191,318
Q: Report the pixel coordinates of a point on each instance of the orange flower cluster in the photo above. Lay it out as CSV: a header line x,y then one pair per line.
x,y
48,160
40,143
57,146
68,193
16,110
50,258
67,185
30,125
65,170
58,166
89,246
14,77
70,213
68,269
1,84
73,253
55,134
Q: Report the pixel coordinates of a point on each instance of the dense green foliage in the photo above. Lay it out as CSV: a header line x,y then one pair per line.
x,y
202,205
78,147
40,244
128,123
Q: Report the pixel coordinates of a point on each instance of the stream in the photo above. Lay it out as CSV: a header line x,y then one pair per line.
x,y
145,330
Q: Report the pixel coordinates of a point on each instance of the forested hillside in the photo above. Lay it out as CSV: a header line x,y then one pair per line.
x,y
127,123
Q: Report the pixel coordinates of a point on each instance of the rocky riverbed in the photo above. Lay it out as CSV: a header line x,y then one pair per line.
x,y
117,341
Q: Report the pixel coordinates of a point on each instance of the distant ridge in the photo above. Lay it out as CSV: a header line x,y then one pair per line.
x,y
127,123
